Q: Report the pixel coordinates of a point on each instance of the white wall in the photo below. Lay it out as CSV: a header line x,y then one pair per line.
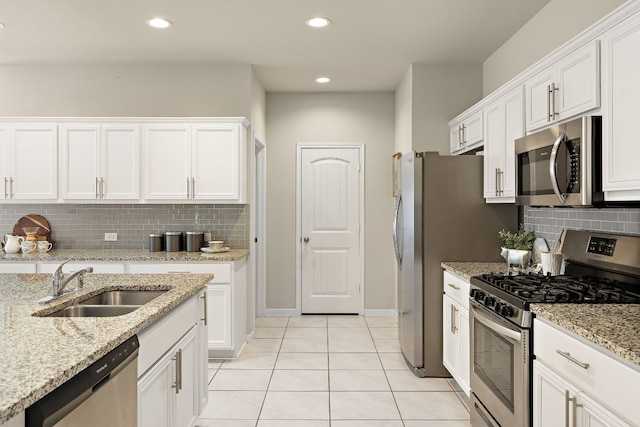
x,y
404,113
366,118
558,22
126,90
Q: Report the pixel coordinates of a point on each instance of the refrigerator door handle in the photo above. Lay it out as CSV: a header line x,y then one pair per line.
x,y
395,230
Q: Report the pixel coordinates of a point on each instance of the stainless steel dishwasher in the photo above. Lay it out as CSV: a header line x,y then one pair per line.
x,y
104,394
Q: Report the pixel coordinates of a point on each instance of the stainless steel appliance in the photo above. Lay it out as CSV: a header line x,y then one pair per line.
x,y
440,215
102,395
600,268
561,165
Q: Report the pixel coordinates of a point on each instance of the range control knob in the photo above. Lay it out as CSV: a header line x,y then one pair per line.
x,y
498,307
476,294
489,301
506,311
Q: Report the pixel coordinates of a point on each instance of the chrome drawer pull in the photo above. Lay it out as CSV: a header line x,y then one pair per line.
x,y
568,356
457,288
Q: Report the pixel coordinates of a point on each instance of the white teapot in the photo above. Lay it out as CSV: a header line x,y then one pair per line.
x,y
12,243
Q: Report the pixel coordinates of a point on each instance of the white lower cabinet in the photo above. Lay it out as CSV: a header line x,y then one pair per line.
x,y
170,387
455,333
576,384
17,267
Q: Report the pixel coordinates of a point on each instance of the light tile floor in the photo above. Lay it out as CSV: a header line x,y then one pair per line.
x,y
326,371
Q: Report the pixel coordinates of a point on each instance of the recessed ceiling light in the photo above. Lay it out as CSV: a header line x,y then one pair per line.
x,y
159,23
318,22
323,80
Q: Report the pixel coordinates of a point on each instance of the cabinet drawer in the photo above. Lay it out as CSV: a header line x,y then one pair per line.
x,y
456,288
161,335
17,267
98,267
221,272
607,379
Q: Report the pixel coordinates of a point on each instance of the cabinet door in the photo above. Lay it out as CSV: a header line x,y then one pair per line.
x,y
219,316
472,129
120,166
538,101
493,149
550,405
464,367
591,414
35,163
620,130
167,162
80,162
578,81
187,387
155,394
455,135
203,374
513,129
4,162
450,339
216,162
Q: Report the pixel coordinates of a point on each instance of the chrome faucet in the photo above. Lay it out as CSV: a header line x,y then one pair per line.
x,y
59,282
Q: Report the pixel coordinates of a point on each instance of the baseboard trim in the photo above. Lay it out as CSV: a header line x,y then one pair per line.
x,y
381,312
281,312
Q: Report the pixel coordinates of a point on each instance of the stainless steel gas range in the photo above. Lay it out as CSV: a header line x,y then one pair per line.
x,y
600,268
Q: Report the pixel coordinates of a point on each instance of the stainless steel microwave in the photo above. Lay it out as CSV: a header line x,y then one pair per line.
x,y
561,165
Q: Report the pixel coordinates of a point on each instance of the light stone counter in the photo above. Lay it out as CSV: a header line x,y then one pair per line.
x,y
466,270
611,326
124,255
37,354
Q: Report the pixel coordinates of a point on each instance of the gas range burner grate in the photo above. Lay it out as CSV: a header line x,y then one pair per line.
x,y
539,288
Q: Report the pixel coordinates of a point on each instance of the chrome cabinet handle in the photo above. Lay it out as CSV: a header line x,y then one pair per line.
x,y
452,328
204,302
464,134
102,188
306,240
460,136
11,188
193,188
6,196
457,288
97,191
500,176
548,103
455,319
567,402
188,186
569,357
178,359
551,101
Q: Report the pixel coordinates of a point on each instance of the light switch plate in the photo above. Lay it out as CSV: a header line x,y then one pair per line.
x,y
110,237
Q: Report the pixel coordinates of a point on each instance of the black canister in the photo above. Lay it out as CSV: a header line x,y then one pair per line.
x,y
194,241
173,241
156,242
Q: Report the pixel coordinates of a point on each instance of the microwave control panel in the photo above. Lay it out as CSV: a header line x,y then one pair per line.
x,y
601,246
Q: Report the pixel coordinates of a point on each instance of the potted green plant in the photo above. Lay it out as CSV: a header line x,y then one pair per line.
x,y
516,246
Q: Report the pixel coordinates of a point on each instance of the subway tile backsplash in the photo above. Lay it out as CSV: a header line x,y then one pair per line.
x,y
549,222
82,226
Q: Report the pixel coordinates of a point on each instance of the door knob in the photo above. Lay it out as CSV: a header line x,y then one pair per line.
x,y
306,240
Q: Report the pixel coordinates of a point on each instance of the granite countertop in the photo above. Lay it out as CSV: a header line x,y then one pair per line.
x,y
466,270
37,354
610,326
124,255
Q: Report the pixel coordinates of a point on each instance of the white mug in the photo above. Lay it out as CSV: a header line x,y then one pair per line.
x,y
28,246
44,246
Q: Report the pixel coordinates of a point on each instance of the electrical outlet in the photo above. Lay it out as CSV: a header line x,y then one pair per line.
x,y
110,237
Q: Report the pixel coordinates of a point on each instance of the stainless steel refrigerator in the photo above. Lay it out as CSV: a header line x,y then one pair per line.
x,y
440,215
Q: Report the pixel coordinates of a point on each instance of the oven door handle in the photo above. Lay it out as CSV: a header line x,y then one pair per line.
x,y
553,160
497,328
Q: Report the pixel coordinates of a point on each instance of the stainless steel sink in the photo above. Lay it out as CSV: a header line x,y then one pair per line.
x,y
94,311
122,298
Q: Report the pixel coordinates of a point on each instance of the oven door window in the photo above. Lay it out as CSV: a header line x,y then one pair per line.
x,y
493,361
534,178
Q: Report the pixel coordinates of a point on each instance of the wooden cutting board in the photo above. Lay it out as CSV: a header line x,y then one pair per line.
x,y
34,220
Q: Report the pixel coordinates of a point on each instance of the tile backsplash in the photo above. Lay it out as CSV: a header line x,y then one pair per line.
x,y
82,226
549,222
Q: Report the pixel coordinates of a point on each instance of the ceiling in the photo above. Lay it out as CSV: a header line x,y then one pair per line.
x,y
368,47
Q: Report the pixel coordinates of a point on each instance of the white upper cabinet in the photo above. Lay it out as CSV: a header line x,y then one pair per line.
x,y
466,134
100,162
621,111
195,162
565,89
29,162
503,124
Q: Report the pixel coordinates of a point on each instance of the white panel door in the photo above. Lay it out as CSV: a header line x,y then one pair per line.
x,y
120,162
35,162
216,162
167,157
330,215
80,168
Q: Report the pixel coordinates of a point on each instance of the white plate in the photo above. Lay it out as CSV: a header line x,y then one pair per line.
x,y
214,251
